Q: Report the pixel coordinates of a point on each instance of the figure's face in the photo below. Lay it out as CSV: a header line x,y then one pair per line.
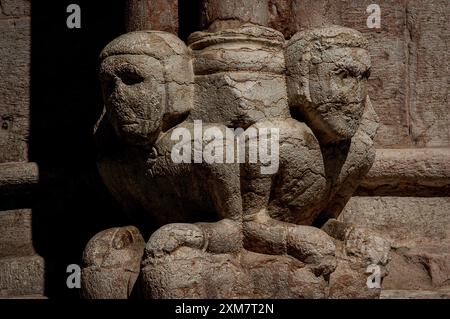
x,y
338,89
134,96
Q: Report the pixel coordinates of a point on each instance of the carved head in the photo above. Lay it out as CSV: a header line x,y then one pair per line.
x,y
328,69
147,84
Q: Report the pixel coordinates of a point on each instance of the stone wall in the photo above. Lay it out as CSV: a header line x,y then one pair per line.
x,y
49,102
21,269
404,197
15,41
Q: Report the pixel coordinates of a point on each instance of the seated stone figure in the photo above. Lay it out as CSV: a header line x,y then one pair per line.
x,y
227,229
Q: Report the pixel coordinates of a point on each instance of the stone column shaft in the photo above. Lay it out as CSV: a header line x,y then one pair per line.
x,y
152,15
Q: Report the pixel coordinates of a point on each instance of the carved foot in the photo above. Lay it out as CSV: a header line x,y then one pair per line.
x,y
170,237
313,247
111,263
362,263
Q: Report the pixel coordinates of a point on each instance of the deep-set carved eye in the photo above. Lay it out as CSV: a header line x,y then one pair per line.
x,y
122,239
343,73
129,76
366,74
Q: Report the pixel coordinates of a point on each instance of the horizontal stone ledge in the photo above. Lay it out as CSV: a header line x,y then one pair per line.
x,y
22,276
415,294
396,172
411,172
16,233
18,177
15,8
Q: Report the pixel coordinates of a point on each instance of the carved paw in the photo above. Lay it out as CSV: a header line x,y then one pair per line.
x,y
111,263
313,247
172,236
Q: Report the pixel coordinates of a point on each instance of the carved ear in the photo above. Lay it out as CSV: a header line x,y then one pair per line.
x,y
179,77
297,73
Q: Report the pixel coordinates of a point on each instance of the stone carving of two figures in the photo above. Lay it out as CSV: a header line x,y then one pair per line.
x,y
227,230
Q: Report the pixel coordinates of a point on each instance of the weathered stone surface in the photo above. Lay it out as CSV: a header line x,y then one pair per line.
x,y
280,16
152,15
412,172
188,271
349,283
299,192
327,75
191,273
415,294
327,71
404,221
407,272
228,14
21,269
31,296
357,249
21,276
249,101
16,233
18,177
250,98
15,39
359,244
15,8
387,85
419,268
226,73
437,263
417,229
150,107
409,81
237,50
409,88
241,209
428,31
111,263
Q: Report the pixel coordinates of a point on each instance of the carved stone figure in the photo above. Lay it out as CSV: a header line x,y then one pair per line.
x,y
229,229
